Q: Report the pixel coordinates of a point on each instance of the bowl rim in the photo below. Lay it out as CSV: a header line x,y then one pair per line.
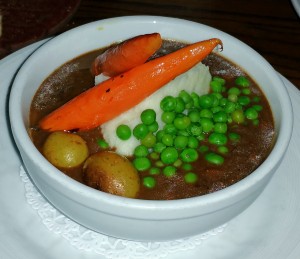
x,y
23,140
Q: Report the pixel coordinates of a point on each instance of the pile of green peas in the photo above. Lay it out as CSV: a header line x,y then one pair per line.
x,y
190,121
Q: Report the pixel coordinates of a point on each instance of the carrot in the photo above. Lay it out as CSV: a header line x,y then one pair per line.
x,y
126,55
110,98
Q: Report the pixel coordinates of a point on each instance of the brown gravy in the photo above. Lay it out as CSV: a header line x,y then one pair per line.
x,y
243,158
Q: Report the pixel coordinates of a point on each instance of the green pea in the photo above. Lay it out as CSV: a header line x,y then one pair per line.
x,y
141,163
257,107
220,127
194,116
141,151
153,127
201,137
154,171
149,140
207,124
246,91
192,142
159,163
183,133
177,163
167,139
180,142
203,149
123,132
234,90
149,182
168,103
232,98
159,147
206,101
195,98
154,155
170,129
223,102
220,116
243,100
216,86
206,113
187,167
189,155
215,99
238,116
190,177
148,116
219,96
169,155
159,135
242,81
185,96
219,79
182,123
216,109
102,143
168,117
169,171
214,158
229,107
140,131
219,139
238,106
251,114
180,105
195,130
223,149
234,136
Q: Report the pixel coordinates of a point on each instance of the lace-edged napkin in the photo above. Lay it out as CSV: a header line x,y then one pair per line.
x,y
109,247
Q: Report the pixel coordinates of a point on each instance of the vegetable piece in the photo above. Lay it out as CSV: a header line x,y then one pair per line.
x,y
112,173
214,158
148,116
149,182
65,150
123,132
189,155
191,177
142,163
169,155
169,171
126,55
118,94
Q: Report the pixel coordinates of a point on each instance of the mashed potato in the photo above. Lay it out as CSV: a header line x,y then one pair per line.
x,y
196,80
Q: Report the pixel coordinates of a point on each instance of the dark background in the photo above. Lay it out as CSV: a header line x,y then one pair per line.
x,y
271,27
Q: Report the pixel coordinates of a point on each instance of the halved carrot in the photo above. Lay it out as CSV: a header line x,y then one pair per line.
x,y
126,55
118,94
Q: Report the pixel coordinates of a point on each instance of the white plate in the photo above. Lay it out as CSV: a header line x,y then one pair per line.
x,y
296,4
269,228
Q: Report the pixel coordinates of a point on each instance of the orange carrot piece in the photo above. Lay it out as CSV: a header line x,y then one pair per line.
x,y
118,94
126,55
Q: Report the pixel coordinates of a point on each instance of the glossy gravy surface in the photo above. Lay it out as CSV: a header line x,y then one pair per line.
x,y
245,156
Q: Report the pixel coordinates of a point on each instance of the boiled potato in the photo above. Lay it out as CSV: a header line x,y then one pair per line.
x,y
112,173
65,150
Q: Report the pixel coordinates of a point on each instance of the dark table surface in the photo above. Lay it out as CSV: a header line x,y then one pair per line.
x,y
271,27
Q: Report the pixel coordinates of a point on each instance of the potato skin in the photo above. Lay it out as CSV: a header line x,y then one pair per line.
x,y
112,173
65,150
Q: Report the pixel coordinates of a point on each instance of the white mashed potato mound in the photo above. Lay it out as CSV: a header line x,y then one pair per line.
x,y
196,80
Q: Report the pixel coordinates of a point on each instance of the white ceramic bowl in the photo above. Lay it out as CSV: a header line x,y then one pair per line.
x,y
130,218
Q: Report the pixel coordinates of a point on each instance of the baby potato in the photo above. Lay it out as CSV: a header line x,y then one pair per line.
x,y
112,173
65,150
